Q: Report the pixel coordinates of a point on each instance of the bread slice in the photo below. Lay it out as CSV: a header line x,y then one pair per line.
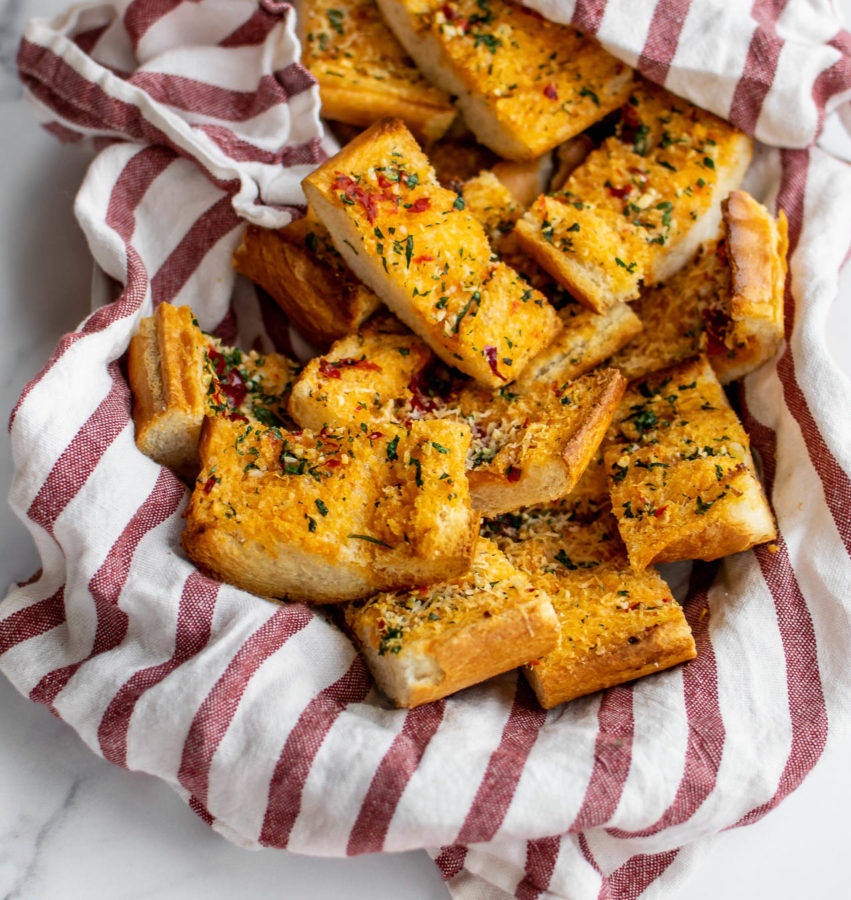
x,y
364,73
427,257
362,379
522,83
745,327
427,643
178,375
165,368
728,301
682,478
302,271
332,516
615,624
533,447
640,205
586,340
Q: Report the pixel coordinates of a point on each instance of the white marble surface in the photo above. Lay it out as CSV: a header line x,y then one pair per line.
x,y
71,825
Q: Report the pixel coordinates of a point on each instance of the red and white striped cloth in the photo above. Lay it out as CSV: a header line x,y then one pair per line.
x,y
261,716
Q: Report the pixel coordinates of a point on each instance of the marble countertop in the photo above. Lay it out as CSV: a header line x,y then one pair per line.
x,y
72,825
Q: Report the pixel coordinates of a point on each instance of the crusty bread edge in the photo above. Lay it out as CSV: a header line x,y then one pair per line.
x,y
657,648
467,656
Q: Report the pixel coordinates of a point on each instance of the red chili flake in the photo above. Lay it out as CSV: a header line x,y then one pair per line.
x,y
619,191
332,463
666,599
351,189
422,259
420,205
449,12
661,510
209,484
383,182
350,362
217,360
550,92
375,435
233,387
463,24
328,369
535,662
512,473
237,417
635,605
491,357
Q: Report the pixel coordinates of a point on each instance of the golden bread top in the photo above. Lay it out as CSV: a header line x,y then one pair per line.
x,y
347,44
674,314
512,431
491,202
475,312
337,494
362,378
641,190
677,460
396,619
250,387
543,82
574,554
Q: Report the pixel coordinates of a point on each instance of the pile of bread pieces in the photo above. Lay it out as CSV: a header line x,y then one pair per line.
x,y
522,326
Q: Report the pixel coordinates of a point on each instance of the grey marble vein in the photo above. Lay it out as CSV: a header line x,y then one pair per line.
x,y
35,842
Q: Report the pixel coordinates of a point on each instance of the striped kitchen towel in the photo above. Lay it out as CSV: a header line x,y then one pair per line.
x,y
262,716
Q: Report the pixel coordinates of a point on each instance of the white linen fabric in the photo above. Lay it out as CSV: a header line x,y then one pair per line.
x,y
262,716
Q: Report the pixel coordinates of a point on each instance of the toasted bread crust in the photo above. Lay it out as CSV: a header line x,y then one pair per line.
x,y
318,293
165,363
179,375
364,73
640,205
560,81
427,257
331,517
424,645
757,246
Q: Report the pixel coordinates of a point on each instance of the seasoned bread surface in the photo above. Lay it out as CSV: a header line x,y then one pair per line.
x,y
527,447
726,302
615,624
179,375
364,73
427,257
640,205
332,516
682,478
424,644
523,84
